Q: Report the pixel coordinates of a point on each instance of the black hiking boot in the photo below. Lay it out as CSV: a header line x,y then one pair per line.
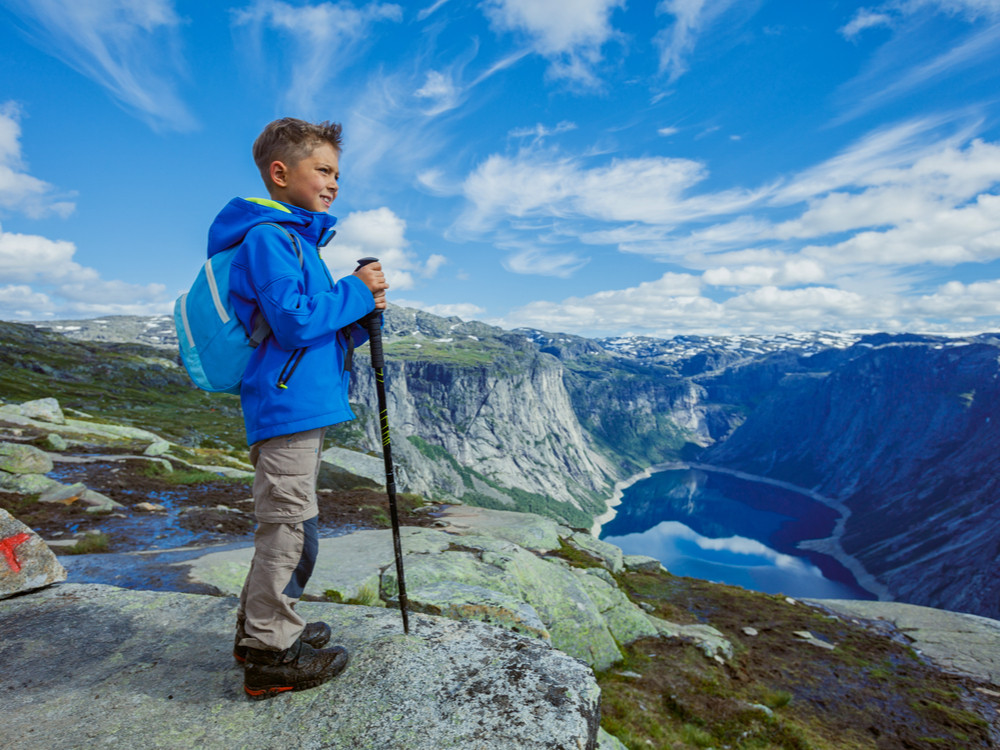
x,y
300,667
316,634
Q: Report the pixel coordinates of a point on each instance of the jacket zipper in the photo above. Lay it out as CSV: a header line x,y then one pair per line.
x,y
293,361
289,369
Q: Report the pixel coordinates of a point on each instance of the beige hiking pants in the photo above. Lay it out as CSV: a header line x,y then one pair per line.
x,y
286,540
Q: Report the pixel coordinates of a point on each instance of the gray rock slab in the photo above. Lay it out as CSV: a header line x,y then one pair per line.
x,y
357,564
524,529
643,563
91,666
26,484
957,642
43,410
358,464
18,458
26,561
609,553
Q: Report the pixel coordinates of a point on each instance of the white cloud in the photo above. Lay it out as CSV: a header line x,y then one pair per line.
x,y
57,286
677,41
20,191
539,132
569,33
22,302
543,262
325,39
865,18
379,233
533,183
27,257
906,62
791,272
441,92
132,49
889,13
668,131
463,310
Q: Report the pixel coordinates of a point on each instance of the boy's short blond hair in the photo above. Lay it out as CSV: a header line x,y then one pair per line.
x,y
289,140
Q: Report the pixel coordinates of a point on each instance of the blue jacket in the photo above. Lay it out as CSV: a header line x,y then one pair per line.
x,y
295,380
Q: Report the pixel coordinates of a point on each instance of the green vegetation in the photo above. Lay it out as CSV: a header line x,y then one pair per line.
x,y
511,498
577,558
189,476
126,384
463,352
367,596
776,692
88,544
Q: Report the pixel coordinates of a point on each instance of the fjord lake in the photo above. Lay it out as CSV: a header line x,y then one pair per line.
x,y
726,529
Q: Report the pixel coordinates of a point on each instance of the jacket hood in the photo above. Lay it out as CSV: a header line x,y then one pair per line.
x,y
241,215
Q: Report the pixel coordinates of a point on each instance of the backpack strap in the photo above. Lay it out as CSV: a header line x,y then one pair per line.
x,y
261,328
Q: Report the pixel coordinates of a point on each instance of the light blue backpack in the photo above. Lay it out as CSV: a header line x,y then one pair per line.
x,y
215,347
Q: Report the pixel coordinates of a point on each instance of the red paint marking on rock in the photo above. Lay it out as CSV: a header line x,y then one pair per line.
x,y
7,549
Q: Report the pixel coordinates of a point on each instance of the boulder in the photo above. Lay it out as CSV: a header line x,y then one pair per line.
x,y
19,458
157,448
27,484
63,493
56,442
470,576
43,410
90,665
955,641
610,554
26,562
643,564
524,529
335,462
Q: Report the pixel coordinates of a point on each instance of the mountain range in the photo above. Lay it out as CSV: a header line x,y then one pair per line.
x,y
898,429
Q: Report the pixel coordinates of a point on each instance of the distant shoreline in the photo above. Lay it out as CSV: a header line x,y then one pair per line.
x,y
829,546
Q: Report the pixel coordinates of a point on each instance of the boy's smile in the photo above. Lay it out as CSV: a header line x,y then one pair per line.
x,y
311,183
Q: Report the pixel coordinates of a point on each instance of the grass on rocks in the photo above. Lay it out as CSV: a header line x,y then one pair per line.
x,y
779,691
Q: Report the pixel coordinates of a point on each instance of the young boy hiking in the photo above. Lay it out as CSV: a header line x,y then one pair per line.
x,y
294,387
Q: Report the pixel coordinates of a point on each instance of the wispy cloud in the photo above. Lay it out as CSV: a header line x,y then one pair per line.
x,y
677,41
568,34
19,191
901,67
324,39
132,49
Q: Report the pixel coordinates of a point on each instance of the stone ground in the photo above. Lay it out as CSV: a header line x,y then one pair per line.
x,y
90,666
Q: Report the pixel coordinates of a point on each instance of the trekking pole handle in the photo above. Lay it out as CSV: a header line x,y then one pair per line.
x,y
373,323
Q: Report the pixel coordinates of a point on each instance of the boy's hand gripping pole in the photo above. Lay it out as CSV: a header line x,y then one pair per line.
x,y
373,322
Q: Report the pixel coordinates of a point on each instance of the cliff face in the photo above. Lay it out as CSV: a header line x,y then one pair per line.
x,y
906,435
501,433
902,429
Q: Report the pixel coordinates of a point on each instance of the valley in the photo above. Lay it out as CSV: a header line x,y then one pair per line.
x,y
896,431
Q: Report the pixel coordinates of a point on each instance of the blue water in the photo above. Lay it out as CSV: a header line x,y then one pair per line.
x,y
720,528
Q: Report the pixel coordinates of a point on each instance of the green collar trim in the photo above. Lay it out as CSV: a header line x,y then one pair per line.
x,y
270,203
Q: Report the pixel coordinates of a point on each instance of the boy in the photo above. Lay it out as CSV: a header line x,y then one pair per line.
x,y
294,387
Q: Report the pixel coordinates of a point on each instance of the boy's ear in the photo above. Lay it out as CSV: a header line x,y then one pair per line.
x,y
278,173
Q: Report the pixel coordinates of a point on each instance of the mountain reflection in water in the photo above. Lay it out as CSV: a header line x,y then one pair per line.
x,y
722,528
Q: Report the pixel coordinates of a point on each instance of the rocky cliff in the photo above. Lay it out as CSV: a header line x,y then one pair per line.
x,y
906,435
901,429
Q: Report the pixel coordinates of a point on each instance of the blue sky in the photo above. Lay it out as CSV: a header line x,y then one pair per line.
x,y
599,167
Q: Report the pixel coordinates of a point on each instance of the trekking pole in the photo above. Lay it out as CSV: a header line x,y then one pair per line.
x,y
373,322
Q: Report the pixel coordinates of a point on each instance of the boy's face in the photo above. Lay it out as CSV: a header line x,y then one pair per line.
x,y
310,184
